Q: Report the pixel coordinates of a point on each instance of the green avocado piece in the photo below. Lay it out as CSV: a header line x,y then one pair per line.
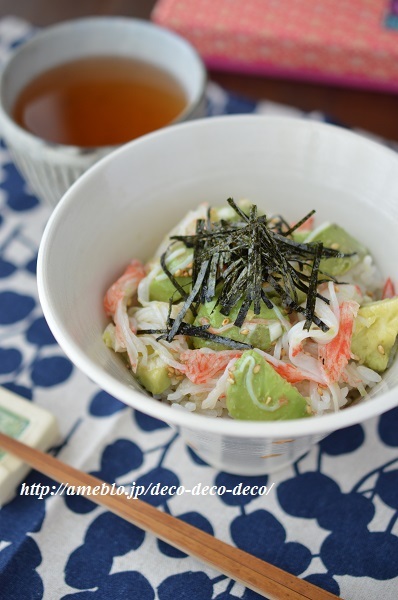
x,y
300,236
109,336
161,288
375,333
334,236
260,394
261,329
153,376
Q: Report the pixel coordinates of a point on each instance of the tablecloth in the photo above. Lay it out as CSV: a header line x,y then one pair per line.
x,y
331,518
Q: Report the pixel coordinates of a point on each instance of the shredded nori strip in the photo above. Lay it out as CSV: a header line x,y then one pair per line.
x,y
299,223
196,331
188,302
234,261
311,294
173,280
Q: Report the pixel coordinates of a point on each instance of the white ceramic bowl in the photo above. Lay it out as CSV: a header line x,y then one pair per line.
x,y
124,205
52,168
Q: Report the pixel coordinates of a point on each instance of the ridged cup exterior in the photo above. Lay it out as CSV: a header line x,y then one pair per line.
x,y
49,179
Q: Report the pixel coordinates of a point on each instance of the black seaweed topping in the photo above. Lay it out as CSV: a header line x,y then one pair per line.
x,y
242,259
200,331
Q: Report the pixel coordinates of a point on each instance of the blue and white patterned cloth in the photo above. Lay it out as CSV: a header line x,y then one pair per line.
x,y
331,518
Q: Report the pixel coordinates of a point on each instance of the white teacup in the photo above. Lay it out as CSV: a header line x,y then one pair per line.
x,y
51,168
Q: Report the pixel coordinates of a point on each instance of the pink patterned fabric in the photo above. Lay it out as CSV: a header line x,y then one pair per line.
x,y
344,42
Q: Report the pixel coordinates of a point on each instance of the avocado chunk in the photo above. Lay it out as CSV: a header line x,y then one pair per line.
x,y
333,236
258,330
300,236
153,376
109,336
260,394
161,288
375,333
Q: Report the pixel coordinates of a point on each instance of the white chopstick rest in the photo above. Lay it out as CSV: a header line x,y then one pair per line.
x,y
28,423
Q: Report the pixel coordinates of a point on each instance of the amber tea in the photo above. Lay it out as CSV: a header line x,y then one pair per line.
x,y
100,101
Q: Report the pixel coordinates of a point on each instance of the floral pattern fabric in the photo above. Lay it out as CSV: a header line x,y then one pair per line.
x,y
331,518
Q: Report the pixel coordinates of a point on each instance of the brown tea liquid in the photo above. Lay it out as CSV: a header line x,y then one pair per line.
x,y
101,101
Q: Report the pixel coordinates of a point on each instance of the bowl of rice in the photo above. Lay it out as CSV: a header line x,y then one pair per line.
x,y
222,210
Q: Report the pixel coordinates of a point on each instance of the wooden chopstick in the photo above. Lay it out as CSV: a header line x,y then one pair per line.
x,y
256,574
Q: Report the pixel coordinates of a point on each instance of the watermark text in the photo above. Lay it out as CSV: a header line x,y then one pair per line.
x,y
134,491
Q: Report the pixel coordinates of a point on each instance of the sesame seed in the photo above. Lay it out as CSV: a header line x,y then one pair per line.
x,y
320,391
244,331
190,272
268,400
225,321
380,348
177,273
230,380
190,266
256,369
308,409
171,370
335,246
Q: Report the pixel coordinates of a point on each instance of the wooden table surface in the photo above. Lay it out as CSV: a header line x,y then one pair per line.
x,y
373,111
